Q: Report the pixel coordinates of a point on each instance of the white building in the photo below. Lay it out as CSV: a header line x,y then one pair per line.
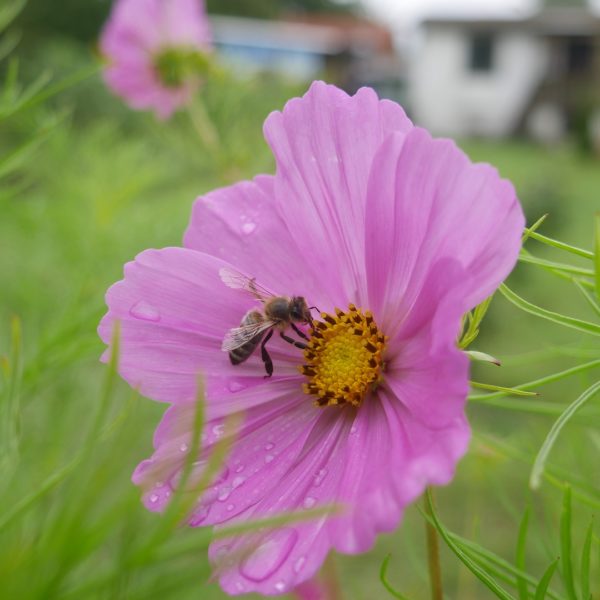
x,y
495,78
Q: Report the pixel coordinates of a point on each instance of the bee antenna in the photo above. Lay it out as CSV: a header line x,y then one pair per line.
x,y
314,308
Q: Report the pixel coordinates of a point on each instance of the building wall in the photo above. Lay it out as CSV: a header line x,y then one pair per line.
x,y
449,98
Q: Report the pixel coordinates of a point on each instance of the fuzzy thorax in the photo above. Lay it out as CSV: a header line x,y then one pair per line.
x,y
344,357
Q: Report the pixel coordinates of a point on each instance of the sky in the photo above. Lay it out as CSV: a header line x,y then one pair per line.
x,y
404,12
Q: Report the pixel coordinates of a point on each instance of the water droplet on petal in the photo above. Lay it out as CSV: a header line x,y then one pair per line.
x,y
146,312
240,586
235,386
280,586
199,515
248,228
230,507
269,555
269,446
309,502
239,469
183,447
353,429
319,477
299,564
237,482
218,430
224,493
154,498
269,458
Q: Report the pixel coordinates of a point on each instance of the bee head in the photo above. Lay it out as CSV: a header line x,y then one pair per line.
x,y
299,310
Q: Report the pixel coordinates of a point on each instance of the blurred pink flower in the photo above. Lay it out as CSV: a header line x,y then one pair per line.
x,y
367,211
155,51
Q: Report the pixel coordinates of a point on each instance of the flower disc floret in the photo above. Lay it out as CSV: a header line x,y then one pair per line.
x,y
344,357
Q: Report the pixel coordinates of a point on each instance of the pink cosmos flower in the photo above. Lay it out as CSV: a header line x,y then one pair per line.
x,y
155,51
394,236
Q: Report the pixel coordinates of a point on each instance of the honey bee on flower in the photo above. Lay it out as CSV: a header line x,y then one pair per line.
x,y
394,235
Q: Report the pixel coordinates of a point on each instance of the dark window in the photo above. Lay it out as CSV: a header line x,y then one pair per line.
x,y
580,54
481,53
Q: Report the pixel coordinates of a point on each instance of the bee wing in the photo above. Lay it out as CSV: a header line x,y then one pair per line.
x,y
238,281
238,336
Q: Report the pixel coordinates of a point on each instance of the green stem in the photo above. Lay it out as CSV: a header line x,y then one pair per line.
x,y
433,555
203,125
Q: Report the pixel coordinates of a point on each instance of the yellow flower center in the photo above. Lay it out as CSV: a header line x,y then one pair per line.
x,y
344,357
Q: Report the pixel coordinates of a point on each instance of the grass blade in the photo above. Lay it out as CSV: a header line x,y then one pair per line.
x,y
566,545
588,296
549,264
542,588
499,388
539,382
383,578
561,245
542,456
549,315
520,555
597,252
478,571
531,230
585,562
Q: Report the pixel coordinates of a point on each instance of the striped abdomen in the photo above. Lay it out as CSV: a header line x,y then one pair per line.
x,y
241,353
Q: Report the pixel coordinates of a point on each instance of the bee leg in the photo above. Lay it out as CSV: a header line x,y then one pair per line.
x,y
265,355
292,341
298,331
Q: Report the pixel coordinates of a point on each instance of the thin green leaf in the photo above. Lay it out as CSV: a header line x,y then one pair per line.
x,y
557,318
9,12
486,558
586,553
597,252
384,580
540,262
540,592
520,555
474,319
479,572
499,388
482,357
542,456
531,230
566,545
540,382
561,245
10,402
590,299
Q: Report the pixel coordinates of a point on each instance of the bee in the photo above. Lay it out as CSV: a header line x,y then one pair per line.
x,y
276,314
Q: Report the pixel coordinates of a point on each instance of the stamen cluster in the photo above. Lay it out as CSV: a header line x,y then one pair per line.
x,y
344,357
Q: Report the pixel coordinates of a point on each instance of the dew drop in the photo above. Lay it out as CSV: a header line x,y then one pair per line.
x,y
235,386
353,429
309,502
269,555
237,482
183,447
269,446
318,480
218,430
280,586
239,469
230,507
299,564
224,493
144,311
154,498
199,515
240,586
269,458
248,228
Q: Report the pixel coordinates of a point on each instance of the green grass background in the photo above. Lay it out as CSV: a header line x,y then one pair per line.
x,y
101,183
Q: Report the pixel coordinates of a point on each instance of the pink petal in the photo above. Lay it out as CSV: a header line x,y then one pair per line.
x,y
324,144
427,202
277,560
240,224
174,311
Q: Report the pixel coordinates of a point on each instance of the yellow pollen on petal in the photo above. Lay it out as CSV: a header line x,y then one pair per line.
x,y
344,357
